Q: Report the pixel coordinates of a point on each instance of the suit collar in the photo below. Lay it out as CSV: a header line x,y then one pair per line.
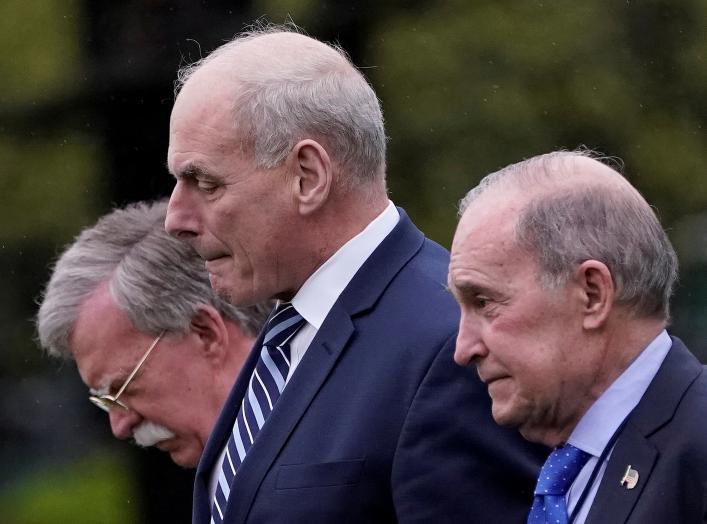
x,y
321,290
679,370
385,262
604,417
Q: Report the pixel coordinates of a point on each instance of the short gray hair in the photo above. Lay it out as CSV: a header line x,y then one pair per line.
x,y
316,92
566,222
157,280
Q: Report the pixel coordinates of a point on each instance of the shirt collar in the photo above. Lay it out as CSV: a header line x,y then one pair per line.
x,y
320,291
600,422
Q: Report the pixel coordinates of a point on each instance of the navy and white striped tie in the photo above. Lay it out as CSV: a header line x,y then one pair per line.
x,y
265,386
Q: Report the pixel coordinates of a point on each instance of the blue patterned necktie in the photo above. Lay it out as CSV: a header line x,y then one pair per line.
x,y
556,476
265,386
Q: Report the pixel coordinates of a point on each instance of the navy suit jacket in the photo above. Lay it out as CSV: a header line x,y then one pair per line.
x,y
665,440
378,424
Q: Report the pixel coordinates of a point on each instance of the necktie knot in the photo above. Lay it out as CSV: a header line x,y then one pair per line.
x,y
560,469
282,325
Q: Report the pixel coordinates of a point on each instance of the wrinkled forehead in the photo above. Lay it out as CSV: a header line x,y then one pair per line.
x,y
202,125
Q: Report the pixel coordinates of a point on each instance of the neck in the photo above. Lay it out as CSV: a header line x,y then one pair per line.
x,y
332,227
624,339
614,350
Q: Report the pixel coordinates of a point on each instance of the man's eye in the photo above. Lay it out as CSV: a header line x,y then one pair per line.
x,y
481,302
206,187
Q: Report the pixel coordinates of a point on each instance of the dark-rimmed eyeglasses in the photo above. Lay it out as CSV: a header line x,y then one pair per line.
x,y
108,402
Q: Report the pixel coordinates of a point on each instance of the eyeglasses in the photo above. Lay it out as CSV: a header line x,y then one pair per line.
x,y
108,402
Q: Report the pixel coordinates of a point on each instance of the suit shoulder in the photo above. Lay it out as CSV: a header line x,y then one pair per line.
x,y
694,403
688,427
433,260
429,265
423,284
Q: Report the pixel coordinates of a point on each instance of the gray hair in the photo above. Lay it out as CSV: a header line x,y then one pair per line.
x,y
309,89
157,280
566,221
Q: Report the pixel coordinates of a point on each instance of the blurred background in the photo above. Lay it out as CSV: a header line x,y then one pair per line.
x,y
466,86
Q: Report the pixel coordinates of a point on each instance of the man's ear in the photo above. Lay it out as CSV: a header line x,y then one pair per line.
x,y
597,291
312,175
208,326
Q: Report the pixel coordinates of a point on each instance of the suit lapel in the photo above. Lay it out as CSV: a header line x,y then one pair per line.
x,y
614,502
385,262
306,381
679,369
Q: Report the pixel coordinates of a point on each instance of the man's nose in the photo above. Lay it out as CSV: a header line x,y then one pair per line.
x,y
123,422
181,217
470,345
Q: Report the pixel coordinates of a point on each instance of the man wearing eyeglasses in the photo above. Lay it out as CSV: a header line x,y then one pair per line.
x,y
157,348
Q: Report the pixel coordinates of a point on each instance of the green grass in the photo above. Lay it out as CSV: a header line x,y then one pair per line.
x,y
97,490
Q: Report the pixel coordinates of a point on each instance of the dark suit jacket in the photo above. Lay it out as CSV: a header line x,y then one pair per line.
x,y
378,424
665,440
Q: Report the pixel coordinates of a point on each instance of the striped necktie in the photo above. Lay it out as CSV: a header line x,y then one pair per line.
x,y
556,476
265,386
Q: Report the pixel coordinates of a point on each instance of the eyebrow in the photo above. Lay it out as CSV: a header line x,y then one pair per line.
x,y
462,290
192,172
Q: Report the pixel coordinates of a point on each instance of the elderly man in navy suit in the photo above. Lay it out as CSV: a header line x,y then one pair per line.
x,y
564,274
347,410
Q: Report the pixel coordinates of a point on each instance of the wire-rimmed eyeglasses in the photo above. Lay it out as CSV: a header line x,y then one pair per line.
x,y
108,402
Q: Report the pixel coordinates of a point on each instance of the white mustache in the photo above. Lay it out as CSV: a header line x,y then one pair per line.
x,y
148,434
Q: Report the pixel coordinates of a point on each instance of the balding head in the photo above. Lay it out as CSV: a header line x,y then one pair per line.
x,y
563,275
277,145
281,87
574,208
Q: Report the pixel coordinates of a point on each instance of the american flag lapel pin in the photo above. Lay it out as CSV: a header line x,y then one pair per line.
x,y
630,478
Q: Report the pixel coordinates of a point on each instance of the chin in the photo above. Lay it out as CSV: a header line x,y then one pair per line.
x,y
505,415
219,288
541,435
502,420
226,292
185,460
223,293
239,293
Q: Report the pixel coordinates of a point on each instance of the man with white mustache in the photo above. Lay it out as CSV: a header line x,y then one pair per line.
x,y
147,434
157,348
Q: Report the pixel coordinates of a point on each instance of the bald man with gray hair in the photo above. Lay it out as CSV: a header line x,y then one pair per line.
x,y
277,146
564,275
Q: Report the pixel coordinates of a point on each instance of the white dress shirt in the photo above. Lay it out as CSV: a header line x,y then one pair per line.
x,y
321,290
594,431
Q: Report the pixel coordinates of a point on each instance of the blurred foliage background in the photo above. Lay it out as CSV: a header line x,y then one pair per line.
x,y
467,87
